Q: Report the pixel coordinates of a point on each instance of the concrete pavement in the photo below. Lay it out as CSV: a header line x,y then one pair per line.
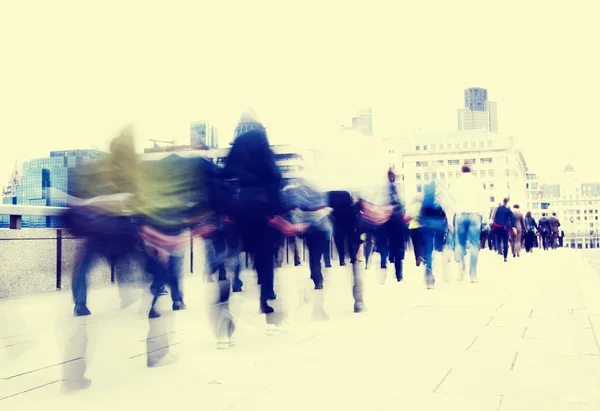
x,y
525,337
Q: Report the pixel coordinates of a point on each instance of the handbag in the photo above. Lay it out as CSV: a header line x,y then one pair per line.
x,y
86,221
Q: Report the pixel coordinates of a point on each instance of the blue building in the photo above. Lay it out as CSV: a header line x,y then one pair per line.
x,y
476,98
41,174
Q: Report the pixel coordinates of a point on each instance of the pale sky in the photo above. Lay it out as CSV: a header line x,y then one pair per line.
x,y
74,72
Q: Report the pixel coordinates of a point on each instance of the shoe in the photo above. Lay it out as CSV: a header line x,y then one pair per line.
x,y
319,285
266,308
327,265
359,307
429,281
505,260
474,279
237,289
166,359
225,343
179,305
163,290
81,310
153,313
69,386
399,278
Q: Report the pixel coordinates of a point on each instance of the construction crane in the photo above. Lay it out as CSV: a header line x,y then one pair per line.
x,y
161,141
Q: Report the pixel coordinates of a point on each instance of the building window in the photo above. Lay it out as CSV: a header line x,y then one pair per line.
x,y
507,173
433,147
491,173
481,144
418,176
491,186
457,174
417,148
489,143
470,161
426,176
441,146
584,211
419,188
457,146
482,173
577,211
439,162
484,186
433,175
535,205
442,176
424,147
453,162
473,144
450,174
485,161
492,199
465,144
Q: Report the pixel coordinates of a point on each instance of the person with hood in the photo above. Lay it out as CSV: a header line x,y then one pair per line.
x,y
516,238
504,223
254,183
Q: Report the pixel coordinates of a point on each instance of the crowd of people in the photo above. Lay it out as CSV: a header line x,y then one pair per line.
x,y
126,209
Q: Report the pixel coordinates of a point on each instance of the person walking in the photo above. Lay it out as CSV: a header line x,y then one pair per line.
x,y
516,238
544,227
469,204
503,224
530,231
554,225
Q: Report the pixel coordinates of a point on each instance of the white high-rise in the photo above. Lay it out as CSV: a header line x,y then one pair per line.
x,y
478,113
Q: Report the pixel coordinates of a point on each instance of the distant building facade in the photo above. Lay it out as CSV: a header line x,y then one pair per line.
x,y
478,112
203,133
362,122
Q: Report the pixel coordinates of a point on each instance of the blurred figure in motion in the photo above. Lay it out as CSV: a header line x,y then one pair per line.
x,y
309,206
254,183
432,218
392,234
531,228
469,205
504,222
416,234
344,219
554,225
100,199
516,238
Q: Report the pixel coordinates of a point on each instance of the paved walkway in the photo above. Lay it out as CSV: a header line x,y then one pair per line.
x,y
524,338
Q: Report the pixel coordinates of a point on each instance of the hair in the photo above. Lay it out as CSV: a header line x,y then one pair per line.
x,y
505,201
528,214
554,214
465,169
543,214
391,174
516,206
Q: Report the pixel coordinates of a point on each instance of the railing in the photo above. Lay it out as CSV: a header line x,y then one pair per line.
x,y
16,213
42,259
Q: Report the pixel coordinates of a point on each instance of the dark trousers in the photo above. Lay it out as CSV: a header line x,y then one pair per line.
x,y
316,241
327,251
117,253
529,240
502,240
345,234
391,242
164,273
416,236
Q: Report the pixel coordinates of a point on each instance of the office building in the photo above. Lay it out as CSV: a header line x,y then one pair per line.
x,y
478,112
576,202
534,194
362,122
204,134
494,159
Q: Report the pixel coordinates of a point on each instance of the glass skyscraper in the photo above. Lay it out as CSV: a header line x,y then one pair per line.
x,y
475,98
41,174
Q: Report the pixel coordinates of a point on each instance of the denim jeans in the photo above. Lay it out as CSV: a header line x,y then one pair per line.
x,y
468,227
170,273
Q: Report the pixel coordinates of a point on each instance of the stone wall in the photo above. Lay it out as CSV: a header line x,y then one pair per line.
x,y
28,259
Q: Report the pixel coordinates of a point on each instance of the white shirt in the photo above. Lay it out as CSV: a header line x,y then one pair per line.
x,y
468,195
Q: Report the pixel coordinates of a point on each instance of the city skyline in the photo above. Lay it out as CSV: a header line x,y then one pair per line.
x,y
91,84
